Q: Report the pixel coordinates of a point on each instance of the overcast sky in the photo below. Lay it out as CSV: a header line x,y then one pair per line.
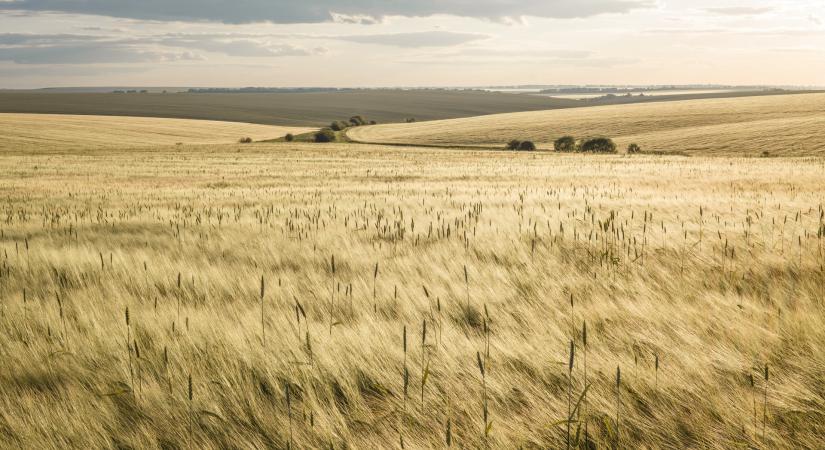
x,y
409,42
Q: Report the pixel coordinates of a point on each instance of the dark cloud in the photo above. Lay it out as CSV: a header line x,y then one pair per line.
x,y
414,40
313,11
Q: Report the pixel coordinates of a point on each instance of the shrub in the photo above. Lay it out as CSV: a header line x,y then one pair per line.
x,y
633,148
527,146
410,120
357,121
325,135
599,145
245,140
338,125
513,145
372,122
565,144
289,137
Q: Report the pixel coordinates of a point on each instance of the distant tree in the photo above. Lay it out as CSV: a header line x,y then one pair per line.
x,y
599,145
325,135
565,144
513,145
527,146
633,149
289,137
410,120
338,125
245,140
357,121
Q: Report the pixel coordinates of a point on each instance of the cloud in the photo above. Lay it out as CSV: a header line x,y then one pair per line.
x,y
490,56
87,54
233,47
415,40
89,49
43,39
314,11
742,32
63,71
688,31
359,19
740,10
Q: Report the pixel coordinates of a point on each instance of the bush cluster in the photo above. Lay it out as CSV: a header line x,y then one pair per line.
x,y
569,144
354,121
527,146
565,144
599,145
325,135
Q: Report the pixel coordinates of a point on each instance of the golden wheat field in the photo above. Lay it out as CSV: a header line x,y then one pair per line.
x,y
338,296
786,125
44,132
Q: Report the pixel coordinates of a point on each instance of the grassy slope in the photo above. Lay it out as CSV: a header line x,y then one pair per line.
x,y
113,230
782,125
303,109
38,132
316,109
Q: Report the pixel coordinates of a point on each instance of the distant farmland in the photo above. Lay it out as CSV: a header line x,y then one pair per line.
x,y
35,133
780,125
310,108
303,109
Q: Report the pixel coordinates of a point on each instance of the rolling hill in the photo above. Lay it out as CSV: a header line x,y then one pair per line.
x,y
312,108
45,132
787,125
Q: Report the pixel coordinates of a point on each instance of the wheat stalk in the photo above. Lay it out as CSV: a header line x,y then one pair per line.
x,y
129,350
263,327
191,399
62,320
289,412
572,356
765,404
617,438
179,293
425,363
584,357
332,293
374,280
487,425
467,287
137,364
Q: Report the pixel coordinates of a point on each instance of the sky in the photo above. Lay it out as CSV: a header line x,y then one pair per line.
x,y
385,43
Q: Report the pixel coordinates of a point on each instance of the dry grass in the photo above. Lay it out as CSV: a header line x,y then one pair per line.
x,y
788,125
46,132
110,230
